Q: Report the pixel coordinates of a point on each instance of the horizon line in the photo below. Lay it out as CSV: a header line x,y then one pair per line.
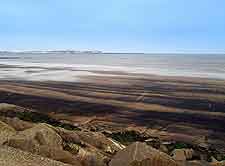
x,y
109,52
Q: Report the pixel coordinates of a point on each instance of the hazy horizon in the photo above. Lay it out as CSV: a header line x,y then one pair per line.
x,y
131,26
45,66
95,51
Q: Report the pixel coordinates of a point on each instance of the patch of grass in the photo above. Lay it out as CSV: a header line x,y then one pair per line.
x,y
36,117
180,145
32,117
219,156
127,137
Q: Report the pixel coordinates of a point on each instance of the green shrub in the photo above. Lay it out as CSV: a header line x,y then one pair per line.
x,y
127,137
180,145
223,158
42,118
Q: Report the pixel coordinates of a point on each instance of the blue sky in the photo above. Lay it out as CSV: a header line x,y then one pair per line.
x,y
113,25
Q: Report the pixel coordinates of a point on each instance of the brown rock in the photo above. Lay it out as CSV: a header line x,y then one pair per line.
x,y
42,140
222,163
197,163
99,141
40,134
88,138
14,157
92,157
183,154
59,155
164,149
6,107
17,124
89,150
69,136
5,132
141,154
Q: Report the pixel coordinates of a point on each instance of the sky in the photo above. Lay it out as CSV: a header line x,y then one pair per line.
x,y
113,25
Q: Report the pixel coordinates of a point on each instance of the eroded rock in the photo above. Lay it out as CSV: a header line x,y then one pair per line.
x,y
14,157
222,163
42,140
141,154
6,131
183,154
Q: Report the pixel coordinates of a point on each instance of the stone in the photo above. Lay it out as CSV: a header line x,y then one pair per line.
x,y
6,131
43,140
182,154
14,157
140,154
221,163
16,123
197,163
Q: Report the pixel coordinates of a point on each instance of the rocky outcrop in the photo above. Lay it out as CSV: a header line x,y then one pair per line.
x,y
196,163
92,157
32,138
222,163
140,154
5,132
88,138
41,140
16,123
39,135
99,141
89,147
182,154
12,157
6,107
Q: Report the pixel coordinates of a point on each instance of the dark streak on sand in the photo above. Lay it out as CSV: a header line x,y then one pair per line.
x,y
5,57
98,97
121,115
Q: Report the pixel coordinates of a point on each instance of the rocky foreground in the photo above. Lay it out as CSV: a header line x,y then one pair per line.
x,y
29,138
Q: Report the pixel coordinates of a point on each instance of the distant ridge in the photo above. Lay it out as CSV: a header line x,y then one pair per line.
x,y
53,51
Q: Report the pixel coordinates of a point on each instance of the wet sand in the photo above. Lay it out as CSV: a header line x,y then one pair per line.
x,y
137,99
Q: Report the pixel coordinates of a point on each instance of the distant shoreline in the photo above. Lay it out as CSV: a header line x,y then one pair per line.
x,y
74,73
102,52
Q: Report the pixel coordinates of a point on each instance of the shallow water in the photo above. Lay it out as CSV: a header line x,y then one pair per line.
x,y
62,67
